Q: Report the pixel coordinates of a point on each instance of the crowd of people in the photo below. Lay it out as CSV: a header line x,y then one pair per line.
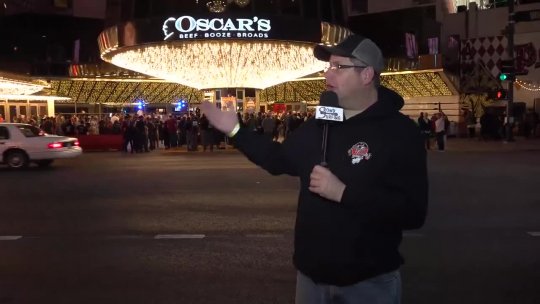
x,y
72,125
143,133
194,130
490,126
437,126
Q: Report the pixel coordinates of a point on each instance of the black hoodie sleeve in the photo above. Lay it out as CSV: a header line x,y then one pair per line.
x,y
400,198
263,151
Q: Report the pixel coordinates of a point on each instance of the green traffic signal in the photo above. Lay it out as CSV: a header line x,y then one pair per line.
x,y
507,77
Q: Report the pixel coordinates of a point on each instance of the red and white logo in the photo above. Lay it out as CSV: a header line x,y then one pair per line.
x,y
359,152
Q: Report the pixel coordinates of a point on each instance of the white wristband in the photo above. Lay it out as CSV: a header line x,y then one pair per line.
x,y
235,130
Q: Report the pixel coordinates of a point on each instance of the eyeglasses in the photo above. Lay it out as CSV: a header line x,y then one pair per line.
x,y
335,67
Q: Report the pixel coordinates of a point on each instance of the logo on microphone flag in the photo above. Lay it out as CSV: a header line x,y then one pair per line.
x,y
329,113
359,152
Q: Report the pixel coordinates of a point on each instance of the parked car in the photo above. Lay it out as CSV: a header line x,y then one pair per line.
x,y
22,144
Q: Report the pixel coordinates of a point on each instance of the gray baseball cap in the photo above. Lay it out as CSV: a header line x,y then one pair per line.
x,y
354,46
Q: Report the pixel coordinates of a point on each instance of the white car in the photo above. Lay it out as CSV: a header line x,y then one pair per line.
x,y
21,144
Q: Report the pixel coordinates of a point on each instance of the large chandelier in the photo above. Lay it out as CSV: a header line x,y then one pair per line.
x,y
221,64
10,86
216,52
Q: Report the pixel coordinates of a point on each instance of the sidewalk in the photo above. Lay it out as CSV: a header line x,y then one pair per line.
x,y
475,145
452,144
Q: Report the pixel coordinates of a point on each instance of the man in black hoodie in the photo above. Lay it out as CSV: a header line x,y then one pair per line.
x,y
350,214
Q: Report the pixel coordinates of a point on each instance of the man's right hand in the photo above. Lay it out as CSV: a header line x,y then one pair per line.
x,y
223,121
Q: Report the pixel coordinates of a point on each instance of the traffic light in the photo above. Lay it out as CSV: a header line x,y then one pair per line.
x,y
507,71
500,94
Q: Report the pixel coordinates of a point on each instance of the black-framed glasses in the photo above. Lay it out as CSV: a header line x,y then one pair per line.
x,y
335,67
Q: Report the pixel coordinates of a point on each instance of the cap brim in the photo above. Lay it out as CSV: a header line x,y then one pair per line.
x,y
323,52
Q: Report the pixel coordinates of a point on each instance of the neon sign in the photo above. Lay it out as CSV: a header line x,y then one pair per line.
x,y
187,27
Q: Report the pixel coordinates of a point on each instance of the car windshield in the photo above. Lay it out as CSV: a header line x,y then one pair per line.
x,y
30,131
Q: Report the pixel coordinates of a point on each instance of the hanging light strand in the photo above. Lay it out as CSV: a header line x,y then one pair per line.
x,y
529,86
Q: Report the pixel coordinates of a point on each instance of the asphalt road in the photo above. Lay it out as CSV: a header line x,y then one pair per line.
x,y
212,228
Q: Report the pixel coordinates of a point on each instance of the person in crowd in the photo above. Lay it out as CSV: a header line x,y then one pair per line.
x,y
114,118
58,124
128,134
351,212
192,133
172,124
425,128
48,125
153,133
251,122
207,133
182,131
141,135
440,131
94,129
268,124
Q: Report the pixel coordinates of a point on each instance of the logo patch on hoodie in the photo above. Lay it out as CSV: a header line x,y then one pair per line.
x,y
359,152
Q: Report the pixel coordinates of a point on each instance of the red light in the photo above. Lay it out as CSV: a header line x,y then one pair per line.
x,y
499,94
55,145
76,144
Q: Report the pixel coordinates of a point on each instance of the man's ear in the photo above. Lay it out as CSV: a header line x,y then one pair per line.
x,y
368,75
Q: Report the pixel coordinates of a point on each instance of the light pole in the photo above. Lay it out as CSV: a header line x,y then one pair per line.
x,y
510,51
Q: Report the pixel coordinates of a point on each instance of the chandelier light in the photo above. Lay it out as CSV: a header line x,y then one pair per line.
x,y
216,6
220,64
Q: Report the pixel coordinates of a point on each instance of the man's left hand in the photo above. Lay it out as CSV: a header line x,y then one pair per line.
x,y
326,184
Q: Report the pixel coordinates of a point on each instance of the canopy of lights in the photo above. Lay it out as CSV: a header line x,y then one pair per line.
x,y
116,91
426,83
11,85
123,91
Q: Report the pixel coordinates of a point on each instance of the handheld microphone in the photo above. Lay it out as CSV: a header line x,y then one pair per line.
x,y
326,112
328,109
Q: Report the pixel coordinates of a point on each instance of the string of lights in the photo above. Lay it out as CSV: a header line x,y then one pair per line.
x,y
529,86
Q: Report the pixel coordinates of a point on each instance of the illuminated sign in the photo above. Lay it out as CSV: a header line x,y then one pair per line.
x,y
188,27
228,104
